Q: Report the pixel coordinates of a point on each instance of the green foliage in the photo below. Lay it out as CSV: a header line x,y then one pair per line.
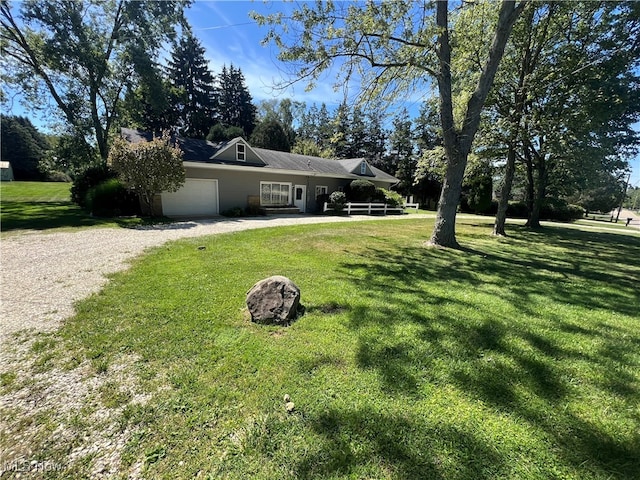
x,y
234,212
361,191
348,132
220,133
478,186
148,168
401,143
233,100
55,176
307,146
90,177
83,55
271,135
337,200
24,146
391,198
111,199
602,192
189,74
557,209
71,154
566,99
633,198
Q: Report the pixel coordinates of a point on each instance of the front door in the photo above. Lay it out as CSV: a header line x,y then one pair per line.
x,y
300,197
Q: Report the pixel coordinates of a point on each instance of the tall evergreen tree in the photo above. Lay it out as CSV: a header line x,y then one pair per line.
x,y
402,147
341,127
234,105
189,74
375,142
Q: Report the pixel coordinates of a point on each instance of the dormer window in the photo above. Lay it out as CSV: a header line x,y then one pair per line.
x,y
363,168
240,152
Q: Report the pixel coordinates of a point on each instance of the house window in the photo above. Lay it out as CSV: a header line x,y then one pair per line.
x,y
275,194
363,168
321,190
240,152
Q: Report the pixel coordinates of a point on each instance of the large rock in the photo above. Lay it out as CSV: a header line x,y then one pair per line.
x,y
274,300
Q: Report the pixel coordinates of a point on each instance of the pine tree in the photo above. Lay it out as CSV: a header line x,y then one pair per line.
x,y
234,105
190,76
402,148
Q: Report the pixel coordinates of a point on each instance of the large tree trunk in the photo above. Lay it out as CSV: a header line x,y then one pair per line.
x,y
457,143
444,231
538,186
505,193
539,194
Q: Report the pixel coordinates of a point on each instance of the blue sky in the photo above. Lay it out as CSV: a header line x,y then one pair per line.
x,y
230,36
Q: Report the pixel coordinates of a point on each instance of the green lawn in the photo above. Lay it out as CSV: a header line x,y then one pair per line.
x,y
513,358
44,206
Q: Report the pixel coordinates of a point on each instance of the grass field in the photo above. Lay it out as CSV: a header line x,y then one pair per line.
x,y
512,358
44,206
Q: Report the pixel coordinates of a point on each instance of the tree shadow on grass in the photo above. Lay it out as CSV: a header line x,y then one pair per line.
x,y
354,441
520,368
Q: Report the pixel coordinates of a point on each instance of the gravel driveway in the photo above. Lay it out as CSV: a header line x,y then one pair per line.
x,y
43,274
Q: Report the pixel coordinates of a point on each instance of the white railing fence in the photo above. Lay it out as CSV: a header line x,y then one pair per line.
x,y
370,208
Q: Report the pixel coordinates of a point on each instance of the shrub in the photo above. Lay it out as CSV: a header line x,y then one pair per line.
x,y
233,212
91,177
148,168
391,198
361,190
558,209
517,210
56,176
111,199
337,200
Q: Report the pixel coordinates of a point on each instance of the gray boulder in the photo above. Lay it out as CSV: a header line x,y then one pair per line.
x,y
274,301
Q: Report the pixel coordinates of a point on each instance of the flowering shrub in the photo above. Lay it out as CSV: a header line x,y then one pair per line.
x,y
338,199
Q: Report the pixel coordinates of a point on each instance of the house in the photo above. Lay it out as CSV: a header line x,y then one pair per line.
x,y
234,174
6,172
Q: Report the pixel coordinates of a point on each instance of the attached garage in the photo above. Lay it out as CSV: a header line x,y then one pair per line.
x,y
197,197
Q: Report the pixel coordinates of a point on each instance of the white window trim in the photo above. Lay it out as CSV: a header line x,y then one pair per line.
x,y
321,190
271,204
363,168
242,153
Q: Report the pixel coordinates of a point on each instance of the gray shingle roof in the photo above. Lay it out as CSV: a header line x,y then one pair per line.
x,y
202,151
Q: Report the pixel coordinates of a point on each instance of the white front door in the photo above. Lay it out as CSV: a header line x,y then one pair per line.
x,y
300,197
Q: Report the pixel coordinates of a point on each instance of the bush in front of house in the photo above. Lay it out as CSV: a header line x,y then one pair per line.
x,y
337,201
112,199
361,191
90,177
234,212
391,198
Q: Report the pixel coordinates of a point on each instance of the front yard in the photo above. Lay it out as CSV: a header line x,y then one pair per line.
x,y
514,358
46,205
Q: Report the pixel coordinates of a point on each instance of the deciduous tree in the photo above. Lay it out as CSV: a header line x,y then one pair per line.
x,y
83,54
148,168
395,48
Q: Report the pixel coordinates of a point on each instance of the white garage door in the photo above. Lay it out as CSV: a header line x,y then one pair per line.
x,y
197,197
